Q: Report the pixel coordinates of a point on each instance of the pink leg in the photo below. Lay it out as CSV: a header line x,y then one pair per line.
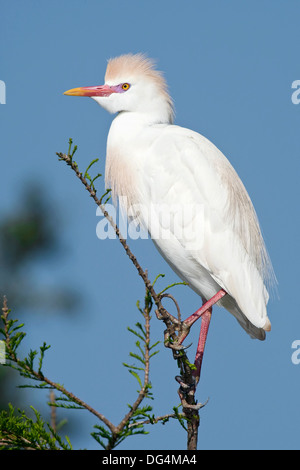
x,y
205,321
199,313
207,305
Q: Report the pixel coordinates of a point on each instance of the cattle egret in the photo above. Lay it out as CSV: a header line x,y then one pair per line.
x,y
185,192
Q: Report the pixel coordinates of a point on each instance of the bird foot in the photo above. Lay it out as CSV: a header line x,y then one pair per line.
x,y
186,390
196,406
177,347
184,387
176,343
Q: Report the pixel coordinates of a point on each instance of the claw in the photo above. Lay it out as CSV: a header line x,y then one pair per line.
x,y
184,388
196,407
200,405
178,347
179,379
159,316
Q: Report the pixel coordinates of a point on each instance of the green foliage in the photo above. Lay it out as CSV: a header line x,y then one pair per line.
x,y
183,283
143,355
88,177
13,336
18,431
132,427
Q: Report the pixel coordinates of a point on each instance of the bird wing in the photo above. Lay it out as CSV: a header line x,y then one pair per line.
x,y
205,224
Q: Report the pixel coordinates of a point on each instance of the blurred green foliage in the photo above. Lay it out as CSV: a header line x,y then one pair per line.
x,y
28,236
28,231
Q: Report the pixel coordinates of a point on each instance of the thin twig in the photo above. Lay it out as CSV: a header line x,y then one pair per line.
x,y
155,420
144,390
53,411
169,296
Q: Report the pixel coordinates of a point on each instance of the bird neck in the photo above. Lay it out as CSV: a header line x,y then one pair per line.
x,y
157,110
130,135
155,113
128,126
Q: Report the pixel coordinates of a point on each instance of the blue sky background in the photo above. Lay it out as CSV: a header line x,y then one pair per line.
x,y
230,66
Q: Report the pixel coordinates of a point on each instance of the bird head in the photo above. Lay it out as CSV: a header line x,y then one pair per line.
x,y
132,84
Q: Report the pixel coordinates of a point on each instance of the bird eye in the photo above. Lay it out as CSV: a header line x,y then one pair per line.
x,y
125,86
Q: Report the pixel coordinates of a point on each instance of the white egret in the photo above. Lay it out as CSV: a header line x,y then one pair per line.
x,y
186,194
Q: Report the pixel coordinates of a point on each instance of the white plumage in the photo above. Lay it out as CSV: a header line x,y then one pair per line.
x,y
184,191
